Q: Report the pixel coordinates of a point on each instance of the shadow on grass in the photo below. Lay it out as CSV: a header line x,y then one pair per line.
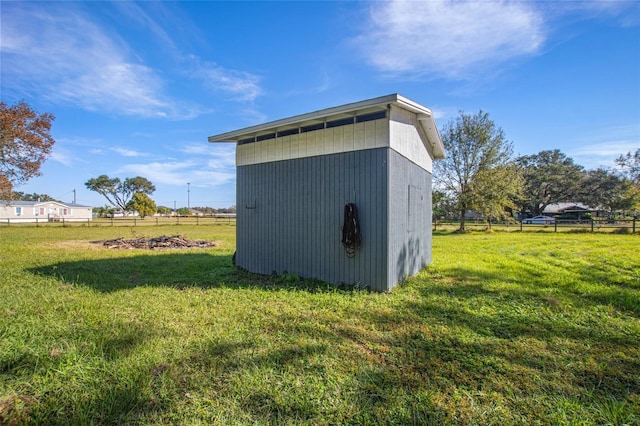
x,y
443,341
178,270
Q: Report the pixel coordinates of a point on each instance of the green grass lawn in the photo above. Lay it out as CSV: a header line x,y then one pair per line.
x,y
503,328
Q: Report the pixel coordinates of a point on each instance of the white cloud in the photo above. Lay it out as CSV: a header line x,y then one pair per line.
x,y
197,148
216,155
197,173
126,152
63,156
242,86
65,56
449,39
605,145
62,55
167,173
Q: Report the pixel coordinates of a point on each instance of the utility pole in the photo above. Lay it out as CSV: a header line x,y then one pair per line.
x,y
74,196
189,195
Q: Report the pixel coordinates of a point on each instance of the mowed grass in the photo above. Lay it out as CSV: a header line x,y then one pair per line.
x,y
503,328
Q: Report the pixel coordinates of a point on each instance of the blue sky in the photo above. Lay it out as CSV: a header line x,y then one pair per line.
x,y
137,88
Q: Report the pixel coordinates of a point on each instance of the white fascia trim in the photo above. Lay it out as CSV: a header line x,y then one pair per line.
x,y
436,147
425,117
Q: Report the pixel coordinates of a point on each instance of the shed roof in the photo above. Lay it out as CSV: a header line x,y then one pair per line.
x,y
425,118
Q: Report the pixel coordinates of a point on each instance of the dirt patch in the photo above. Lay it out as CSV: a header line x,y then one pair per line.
x,y
72,245
162,242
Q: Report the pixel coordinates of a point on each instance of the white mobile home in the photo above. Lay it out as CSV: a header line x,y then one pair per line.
x,y
43,211
306,185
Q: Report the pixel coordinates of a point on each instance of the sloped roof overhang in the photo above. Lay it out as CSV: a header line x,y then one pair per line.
x,y
425,118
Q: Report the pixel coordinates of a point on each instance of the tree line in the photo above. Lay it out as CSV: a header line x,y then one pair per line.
x,y
481,174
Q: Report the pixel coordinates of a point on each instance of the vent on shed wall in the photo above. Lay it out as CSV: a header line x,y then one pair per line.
x,y
378,115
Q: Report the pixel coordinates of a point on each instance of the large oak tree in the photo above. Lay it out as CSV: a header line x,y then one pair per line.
x,y
550,177
25,143
118,192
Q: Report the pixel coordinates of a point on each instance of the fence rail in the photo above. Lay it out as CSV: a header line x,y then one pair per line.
x,y
560,225
128,221
596,225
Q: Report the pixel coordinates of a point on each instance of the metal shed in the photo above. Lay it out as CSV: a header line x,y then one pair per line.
x,y
295,176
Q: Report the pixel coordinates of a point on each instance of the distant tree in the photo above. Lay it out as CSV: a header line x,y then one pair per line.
x,y
105,211
474,145
629,165
205,210
230,209
183,211
495,191
143,204
25,143
119,193
21,196
437,201
549,177
609,192
163,210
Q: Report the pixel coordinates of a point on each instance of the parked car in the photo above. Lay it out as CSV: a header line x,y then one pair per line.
x,y
539,220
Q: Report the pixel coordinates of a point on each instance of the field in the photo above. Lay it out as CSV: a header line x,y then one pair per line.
x,y
503,328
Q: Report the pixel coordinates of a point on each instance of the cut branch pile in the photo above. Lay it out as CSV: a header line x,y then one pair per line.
x,y
163,242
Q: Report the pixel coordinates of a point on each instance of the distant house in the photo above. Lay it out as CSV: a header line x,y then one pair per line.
x,y
43,211
576,211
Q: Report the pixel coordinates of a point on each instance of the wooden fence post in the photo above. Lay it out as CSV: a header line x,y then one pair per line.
x,y
592,222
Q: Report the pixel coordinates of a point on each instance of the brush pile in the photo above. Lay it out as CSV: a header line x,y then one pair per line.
x,y
162,242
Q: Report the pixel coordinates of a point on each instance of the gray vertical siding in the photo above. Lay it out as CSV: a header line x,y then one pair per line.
x,y
410,218
290,216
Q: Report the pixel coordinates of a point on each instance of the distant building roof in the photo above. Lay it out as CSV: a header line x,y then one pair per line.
x,y
559,208
36,203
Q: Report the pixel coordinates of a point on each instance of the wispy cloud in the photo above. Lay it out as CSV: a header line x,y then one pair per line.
x,y
60,54
449,39
205,166
605,145
165,173
126,152
240,85
65,55
179,173
63,156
